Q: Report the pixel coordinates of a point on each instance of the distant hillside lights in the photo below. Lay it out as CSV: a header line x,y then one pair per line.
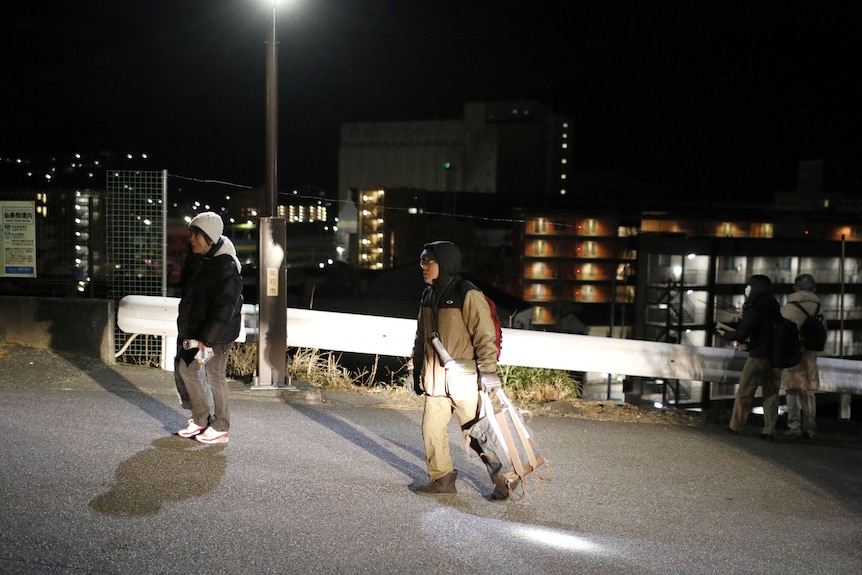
x,y
307,214
300,212
53,168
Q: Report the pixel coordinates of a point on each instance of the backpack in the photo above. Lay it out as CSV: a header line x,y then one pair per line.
x,y
497,329
812,332
466,286
786,348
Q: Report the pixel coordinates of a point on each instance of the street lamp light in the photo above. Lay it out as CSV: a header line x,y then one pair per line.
x,y
272,278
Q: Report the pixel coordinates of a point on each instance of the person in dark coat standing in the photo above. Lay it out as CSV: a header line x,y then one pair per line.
x,y
758,311
191,262
209,321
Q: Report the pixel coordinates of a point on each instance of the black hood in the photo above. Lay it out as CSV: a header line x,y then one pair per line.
x,y
448,258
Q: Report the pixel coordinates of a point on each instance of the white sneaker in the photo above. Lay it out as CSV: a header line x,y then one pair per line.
x,y
210,436
190,429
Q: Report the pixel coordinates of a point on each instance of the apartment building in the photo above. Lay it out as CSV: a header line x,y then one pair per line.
x,y
580,265
662,278
688,284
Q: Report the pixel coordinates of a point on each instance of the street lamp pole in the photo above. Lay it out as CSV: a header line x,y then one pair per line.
x,y
272,279
272,116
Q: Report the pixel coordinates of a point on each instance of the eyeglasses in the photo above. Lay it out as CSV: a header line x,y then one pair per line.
x,y
425,262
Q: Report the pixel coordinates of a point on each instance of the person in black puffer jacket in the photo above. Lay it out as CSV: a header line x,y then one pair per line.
x,y
209,321
758,311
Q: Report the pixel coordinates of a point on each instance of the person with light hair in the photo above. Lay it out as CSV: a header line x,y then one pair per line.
x,y
801,381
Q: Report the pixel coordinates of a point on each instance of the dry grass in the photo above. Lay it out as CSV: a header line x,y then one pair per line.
x,y
323,369
242,361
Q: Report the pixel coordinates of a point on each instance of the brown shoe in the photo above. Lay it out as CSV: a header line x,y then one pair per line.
x,y
445,484
501,492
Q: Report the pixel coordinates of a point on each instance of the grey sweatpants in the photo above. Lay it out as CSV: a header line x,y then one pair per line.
x,y
196,387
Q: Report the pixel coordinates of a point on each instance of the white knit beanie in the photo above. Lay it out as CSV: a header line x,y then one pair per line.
x,y
210,223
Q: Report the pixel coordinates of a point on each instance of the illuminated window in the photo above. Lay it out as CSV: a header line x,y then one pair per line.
x,y
590,227
538,291
541,226
540,271
537,314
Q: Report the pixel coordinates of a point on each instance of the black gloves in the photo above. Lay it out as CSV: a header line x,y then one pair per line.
x,y
414,383
489,381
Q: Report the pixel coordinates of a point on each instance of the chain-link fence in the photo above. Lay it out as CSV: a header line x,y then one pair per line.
x,y
135,259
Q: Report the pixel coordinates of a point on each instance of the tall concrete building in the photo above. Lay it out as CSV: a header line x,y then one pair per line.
x,y
509,151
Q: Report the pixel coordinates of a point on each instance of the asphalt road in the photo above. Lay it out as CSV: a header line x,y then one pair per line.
x,y
93,481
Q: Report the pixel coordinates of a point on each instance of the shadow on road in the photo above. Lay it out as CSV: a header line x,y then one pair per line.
x,y
173,469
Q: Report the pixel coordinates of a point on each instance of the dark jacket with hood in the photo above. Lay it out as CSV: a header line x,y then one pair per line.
x,y
210,307
758,312
461,317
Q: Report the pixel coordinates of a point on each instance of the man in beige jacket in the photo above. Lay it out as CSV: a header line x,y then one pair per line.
x,y
454,312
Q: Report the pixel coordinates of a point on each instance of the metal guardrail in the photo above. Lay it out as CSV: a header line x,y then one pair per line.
x,y
394,337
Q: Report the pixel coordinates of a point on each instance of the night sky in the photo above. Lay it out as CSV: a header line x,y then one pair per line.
x,y
721,97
